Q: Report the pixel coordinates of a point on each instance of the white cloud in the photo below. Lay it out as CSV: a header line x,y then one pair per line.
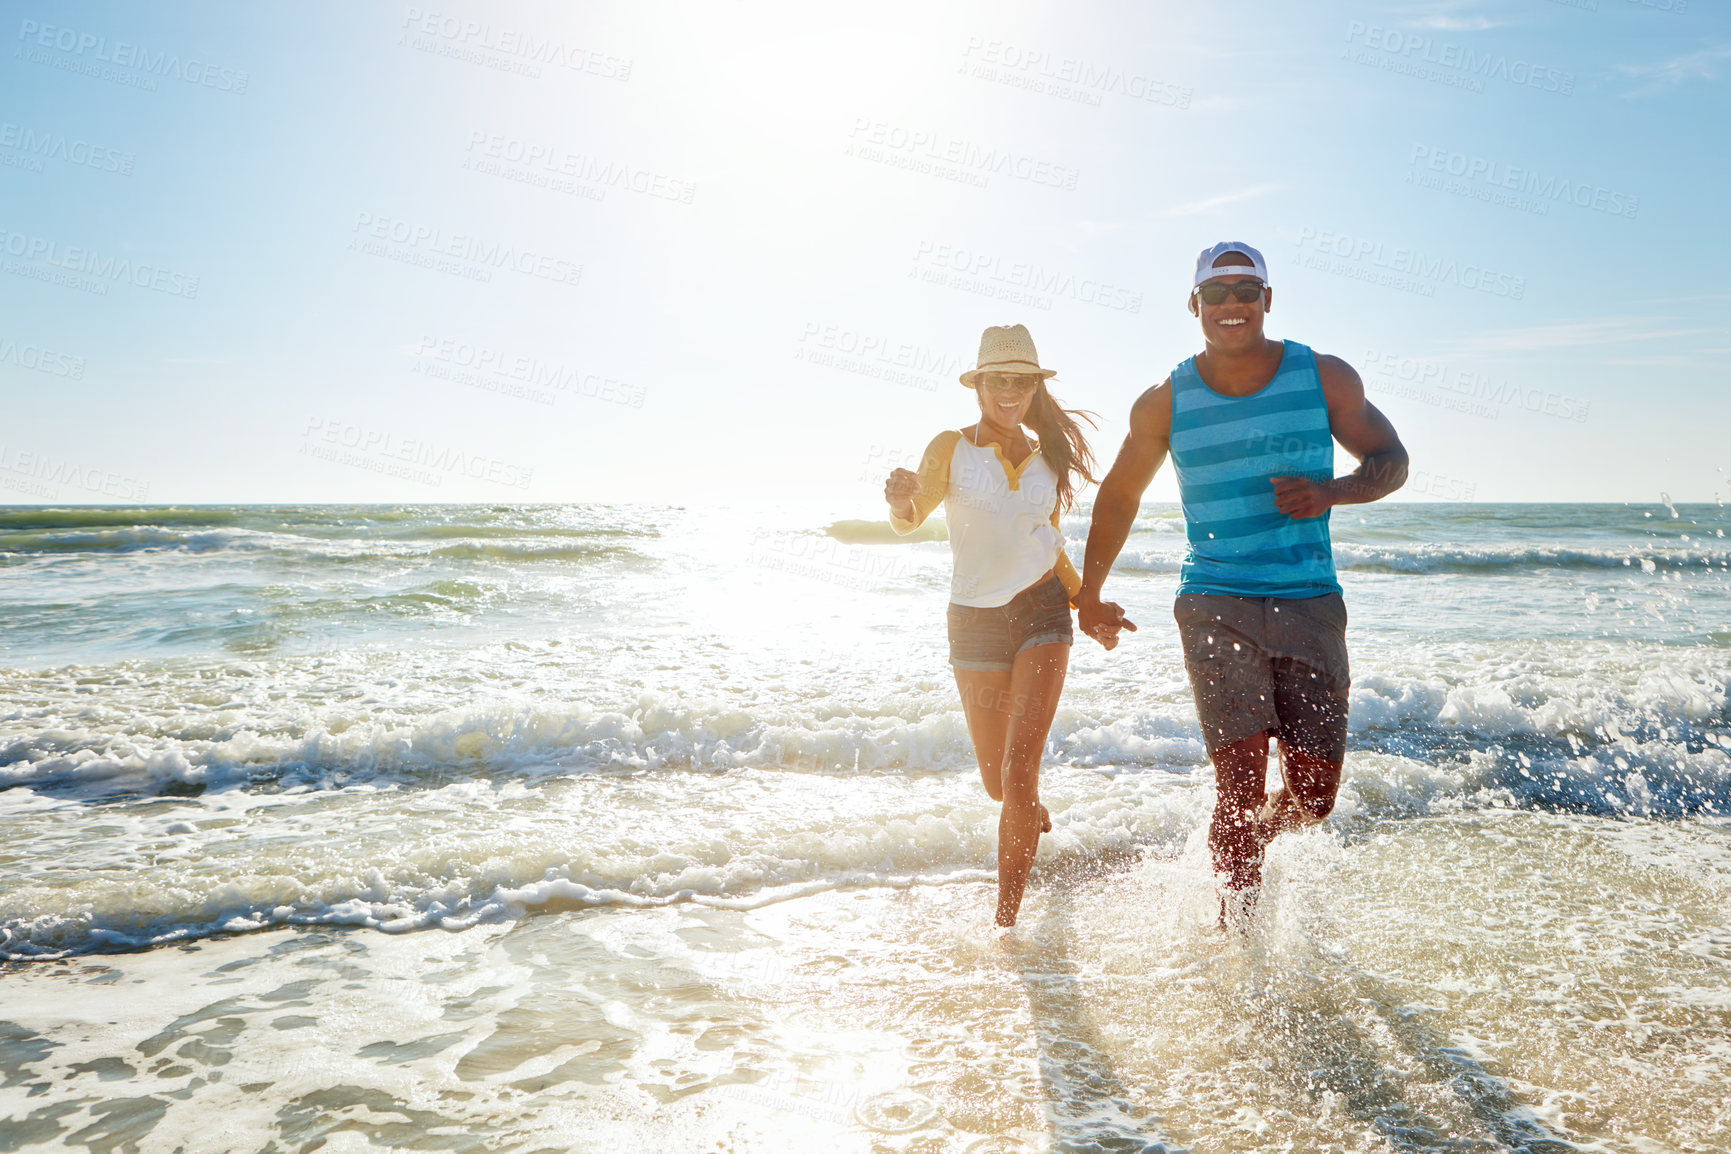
x,y
1209,204
1093,228
1457,23
1577,334
1455,16
1665,361
1702,64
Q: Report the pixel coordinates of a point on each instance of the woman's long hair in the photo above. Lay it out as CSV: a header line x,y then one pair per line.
x,y
1062,443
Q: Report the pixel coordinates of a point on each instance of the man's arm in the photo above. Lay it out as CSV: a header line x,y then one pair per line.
x,y
1364,432
1115,508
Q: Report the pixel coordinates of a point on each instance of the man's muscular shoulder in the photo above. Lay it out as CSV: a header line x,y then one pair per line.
x,y
1340,381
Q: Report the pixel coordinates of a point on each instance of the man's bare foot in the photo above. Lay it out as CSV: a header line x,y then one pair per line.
x,y
1237,907
1045,820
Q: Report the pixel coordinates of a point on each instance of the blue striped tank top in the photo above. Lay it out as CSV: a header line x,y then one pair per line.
x,y
1225,450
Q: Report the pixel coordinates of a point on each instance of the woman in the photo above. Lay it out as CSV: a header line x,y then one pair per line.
x,y
1010,590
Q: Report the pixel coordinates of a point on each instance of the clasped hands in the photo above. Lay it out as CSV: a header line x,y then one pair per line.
x,y
1101,620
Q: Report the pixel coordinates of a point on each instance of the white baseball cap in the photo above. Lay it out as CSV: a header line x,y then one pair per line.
x,y
1205,269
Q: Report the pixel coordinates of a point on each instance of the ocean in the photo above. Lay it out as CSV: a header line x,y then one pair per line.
x,y
548,828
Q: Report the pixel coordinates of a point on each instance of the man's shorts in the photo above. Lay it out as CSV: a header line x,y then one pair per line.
x,y
988,640
1268,665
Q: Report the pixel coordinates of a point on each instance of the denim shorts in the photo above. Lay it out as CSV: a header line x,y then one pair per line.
x,y
988,640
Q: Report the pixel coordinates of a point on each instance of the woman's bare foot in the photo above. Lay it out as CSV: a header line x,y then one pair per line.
x,y
1006,910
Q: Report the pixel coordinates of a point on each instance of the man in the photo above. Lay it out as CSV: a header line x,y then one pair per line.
x,y
1251,424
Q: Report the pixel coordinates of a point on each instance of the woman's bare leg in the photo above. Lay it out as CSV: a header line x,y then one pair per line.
x,y
987,703
1036,682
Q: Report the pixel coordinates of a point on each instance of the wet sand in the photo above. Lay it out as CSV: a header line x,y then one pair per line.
x,y
1386,999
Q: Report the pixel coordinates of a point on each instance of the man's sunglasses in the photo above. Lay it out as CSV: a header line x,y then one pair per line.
x,y
1214,293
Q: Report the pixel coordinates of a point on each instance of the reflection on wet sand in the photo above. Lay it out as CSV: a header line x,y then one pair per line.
x,y
873,1020
1241,1042
1089,1107
1386,1076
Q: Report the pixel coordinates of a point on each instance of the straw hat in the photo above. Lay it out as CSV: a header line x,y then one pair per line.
x,y
1006,349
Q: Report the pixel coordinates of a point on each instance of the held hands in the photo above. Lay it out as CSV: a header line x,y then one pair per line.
x,y
899,491
1300,497
1102,620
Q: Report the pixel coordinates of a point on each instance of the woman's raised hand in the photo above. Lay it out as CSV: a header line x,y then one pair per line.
x,y
899,491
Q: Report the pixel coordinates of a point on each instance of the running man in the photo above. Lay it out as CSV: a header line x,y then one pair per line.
x,y
1251,425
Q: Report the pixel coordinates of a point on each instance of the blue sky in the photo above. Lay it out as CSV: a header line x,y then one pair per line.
x,y
684,252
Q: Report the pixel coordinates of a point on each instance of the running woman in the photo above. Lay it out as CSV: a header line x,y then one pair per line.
x,y
1010,590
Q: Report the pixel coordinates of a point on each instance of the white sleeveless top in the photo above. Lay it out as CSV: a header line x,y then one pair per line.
x,y
1003,519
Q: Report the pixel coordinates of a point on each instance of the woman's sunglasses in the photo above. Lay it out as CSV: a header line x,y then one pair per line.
x,y
1214,293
